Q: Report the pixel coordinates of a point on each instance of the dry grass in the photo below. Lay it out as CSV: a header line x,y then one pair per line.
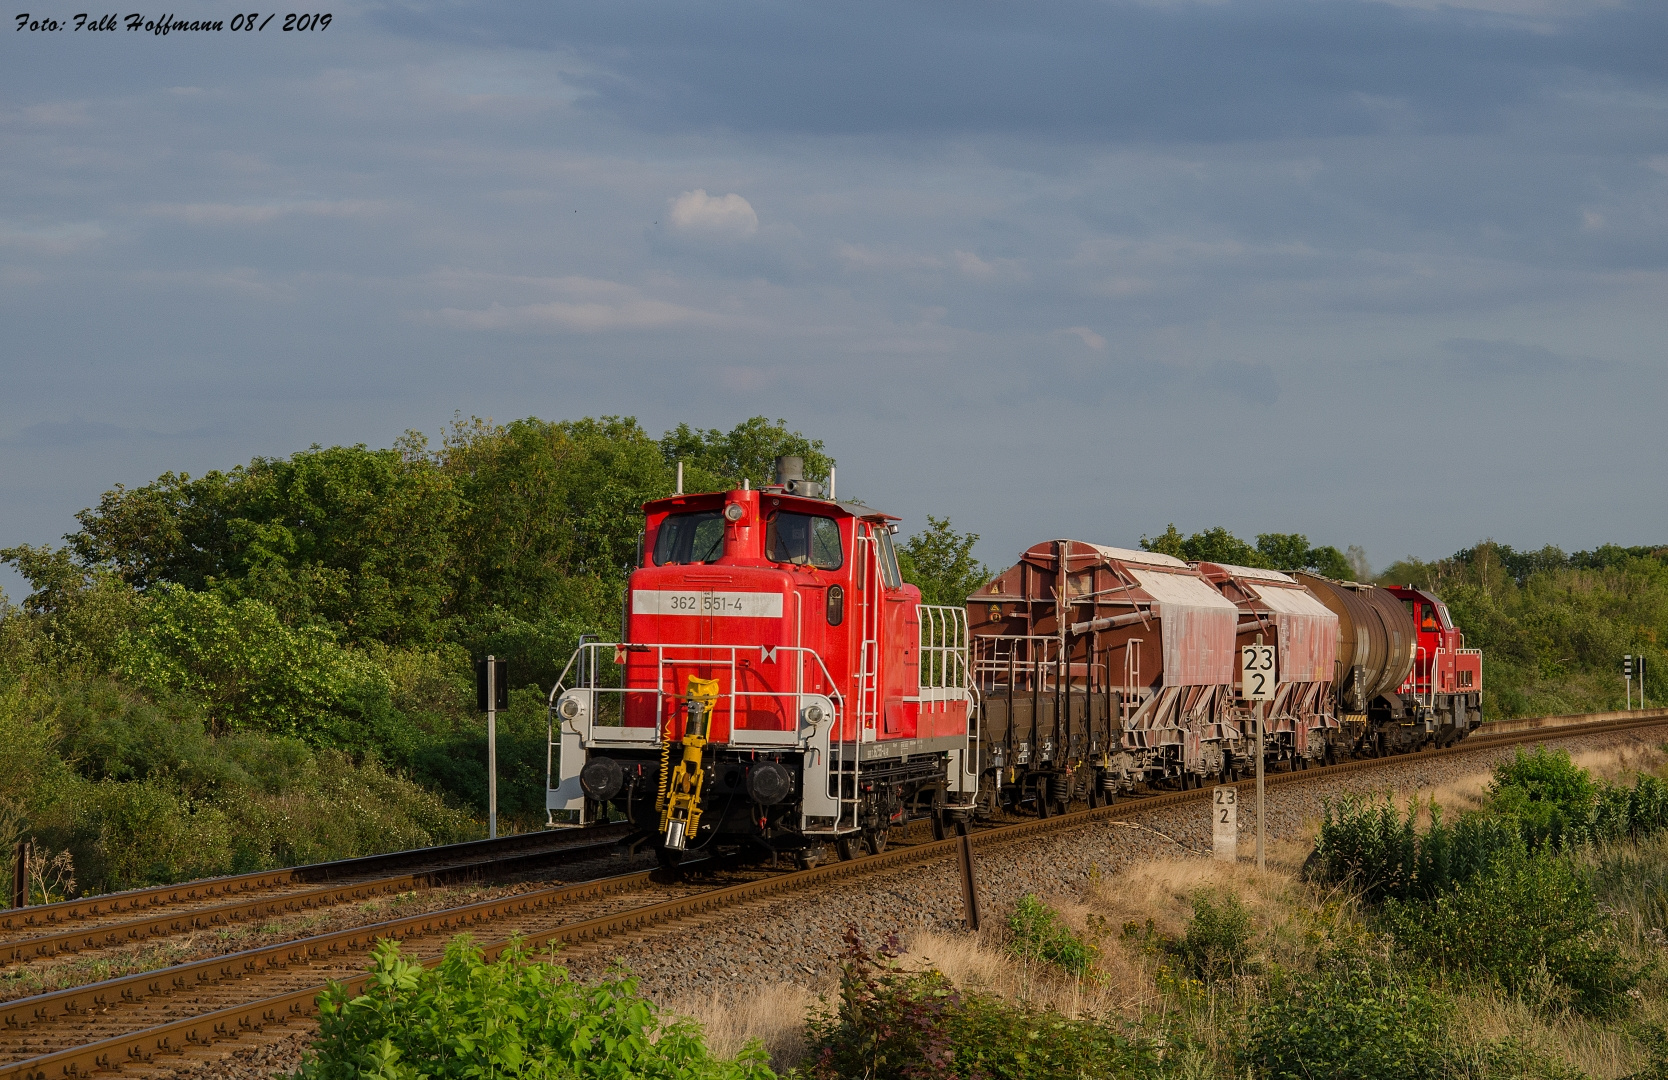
x,y
774,1014
1125,980
1622,762
1568,1037
981,963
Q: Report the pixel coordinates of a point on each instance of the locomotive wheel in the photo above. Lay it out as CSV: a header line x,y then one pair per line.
x,y
808,858
843,847
875,839
938,830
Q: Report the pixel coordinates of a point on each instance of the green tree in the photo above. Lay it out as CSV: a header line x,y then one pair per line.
x,y
357,538
1213,545
939,561
250,671
1291,551
720,460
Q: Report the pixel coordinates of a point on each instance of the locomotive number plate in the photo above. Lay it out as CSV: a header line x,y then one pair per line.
x,y
735,605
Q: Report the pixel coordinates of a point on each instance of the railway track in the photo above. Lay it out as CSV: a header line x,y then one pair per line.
x,y
93,910
140,1019
274,903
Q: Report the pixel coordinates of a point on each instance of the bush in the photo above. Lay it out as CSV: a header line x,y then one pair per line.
x,y
1040,935
1218,938
143,795
1531,923
467,1019
1551,798
892,1024
1354,1018
1367,844
251,671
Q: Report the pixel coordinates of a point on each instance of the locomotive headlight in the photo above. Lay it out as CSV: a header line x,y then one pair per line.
x,y
813,714
734,512
569,708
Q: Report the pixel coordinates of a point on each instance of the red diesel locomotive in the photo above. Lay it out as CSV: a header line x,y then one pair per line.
x,y
778,686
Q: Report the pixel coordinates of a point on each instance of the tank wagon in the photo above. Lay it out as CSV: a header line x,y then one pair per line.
x,y
777,685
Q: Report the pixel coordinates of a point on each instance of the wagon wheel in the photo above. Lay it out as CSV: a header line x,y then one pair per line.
x,y
1043,809
939,832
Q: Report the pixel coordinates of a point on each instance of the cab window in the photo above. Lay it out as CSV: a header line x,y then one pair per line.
x,y
1427,618
888,559
803,540
689,538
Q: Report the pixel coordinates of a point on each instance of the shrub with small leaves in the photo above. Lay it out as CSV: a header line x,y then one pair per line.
x,y
1040,935
1353,1018
1530,922
467,1019
893,1024
1218,938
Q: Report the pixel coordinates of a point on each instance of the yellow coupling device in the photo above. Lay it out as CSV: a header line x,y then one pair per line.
x,y
681,814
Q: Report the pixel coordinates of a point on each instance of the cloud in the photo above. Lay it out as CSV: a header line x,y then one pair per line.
x,y
79,432
1087,336
862,257
1075,68
727,215
207,213
585,306
1484,358
65,239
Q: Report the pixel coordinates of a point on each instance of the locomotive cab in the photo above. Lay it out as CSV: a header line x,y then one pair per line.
x,y
777,684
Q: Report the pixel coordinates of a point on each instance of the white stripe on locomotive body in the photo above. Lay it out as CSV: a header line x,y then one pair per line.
x,y
734,605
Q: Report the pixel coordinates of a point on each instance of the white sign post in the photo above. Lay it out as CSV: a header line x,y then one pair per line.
x,y
1256,674
1224,822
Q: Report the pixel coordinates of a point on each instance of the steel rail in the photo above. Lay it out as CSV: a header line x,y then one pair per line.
x,y
132,930
229,1022
55,1004
44,916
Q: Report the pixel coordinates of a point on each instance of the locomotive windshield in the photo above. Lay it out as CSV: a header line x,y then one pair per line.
x,y
803,539
690,538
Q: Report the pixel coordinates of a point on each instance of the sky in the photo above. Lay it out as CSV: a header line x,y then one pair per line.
x,y
1383,273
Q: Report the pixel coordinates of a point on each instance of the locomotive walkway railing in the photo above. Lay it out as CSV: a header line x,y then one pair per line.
x,y
591,713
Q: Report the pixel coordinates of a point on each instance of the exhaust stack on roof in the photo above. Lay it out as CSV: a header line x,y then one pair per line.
x,y
790,477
